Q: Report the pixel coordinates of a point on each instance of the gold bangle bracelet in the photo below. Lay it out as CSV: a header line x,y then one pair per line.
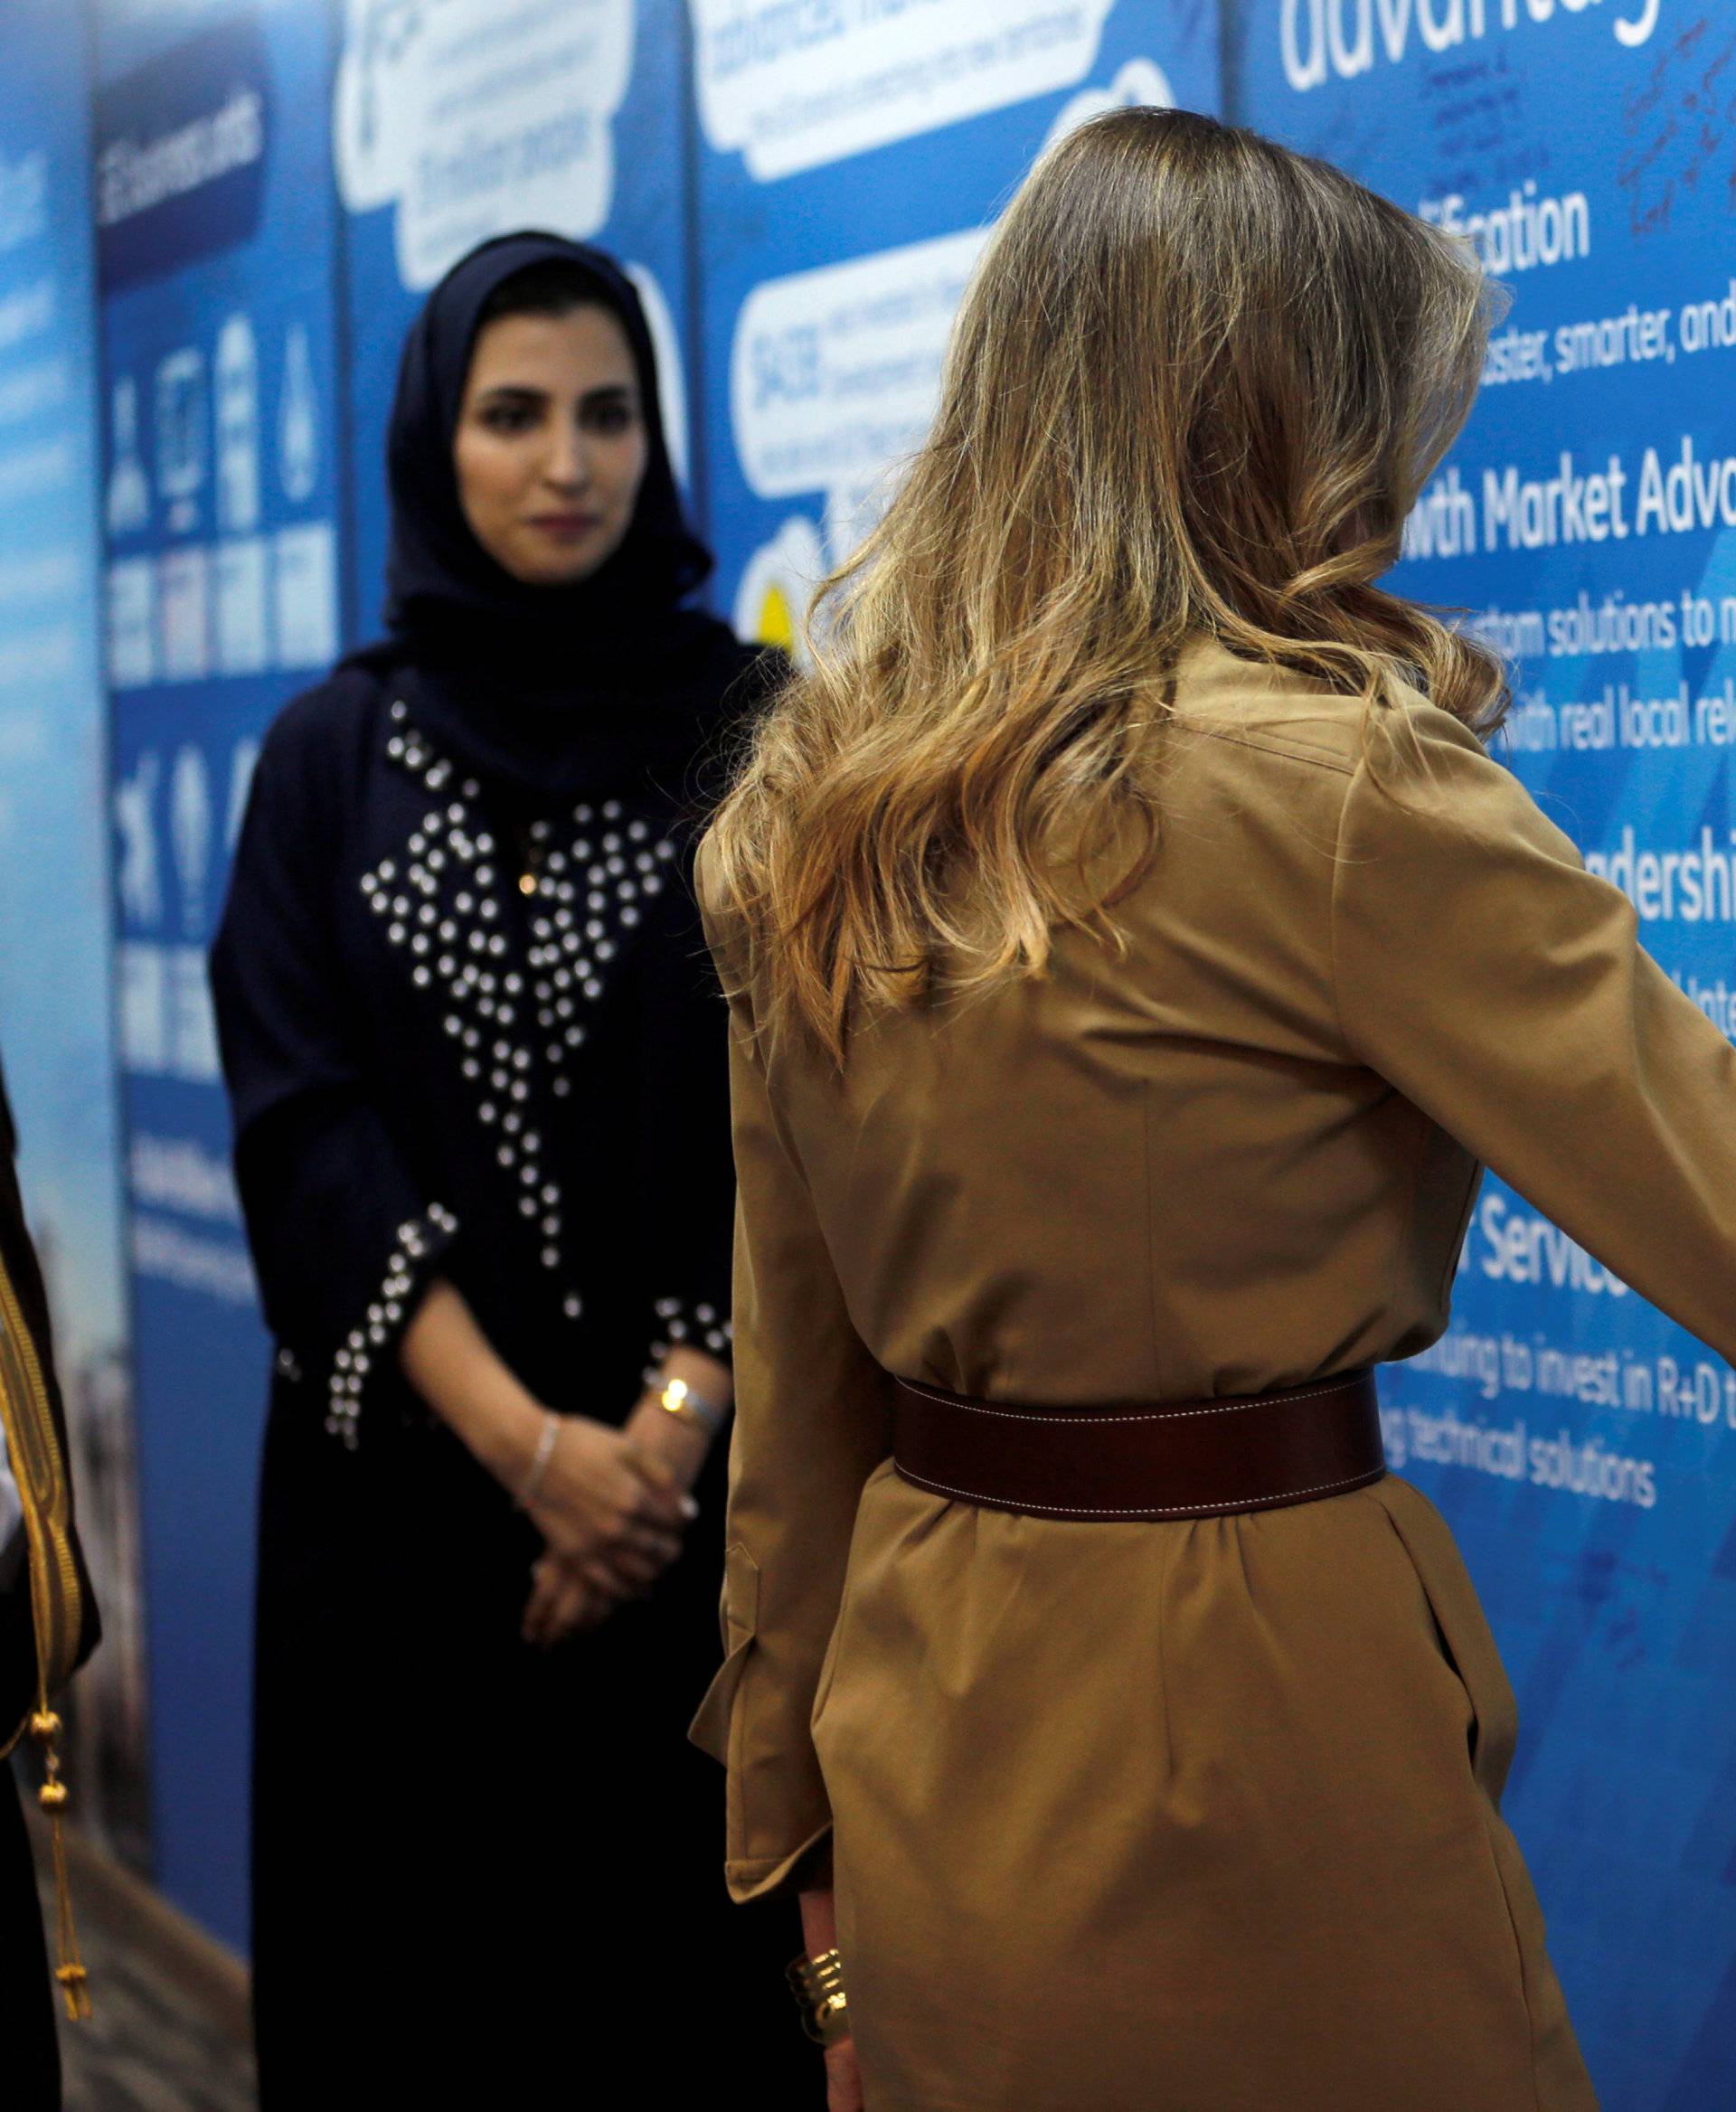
x,y
817,1985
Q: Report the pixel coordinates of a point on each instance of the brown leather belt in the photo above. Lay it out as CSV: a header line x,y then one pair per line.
x,y
1176,1460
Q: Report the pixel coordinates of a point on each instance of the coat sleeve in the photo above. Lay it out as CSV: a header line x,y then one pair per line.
x,y
812,1422
1501,988
343,1240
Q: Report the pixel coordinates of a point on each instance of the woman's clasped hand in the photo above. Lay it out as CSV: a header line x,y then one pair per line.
x,y
612,1505
612,1511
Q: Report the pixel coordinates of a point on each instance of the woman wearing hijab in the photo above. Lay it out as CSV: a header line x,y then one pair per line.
x,y
478,1077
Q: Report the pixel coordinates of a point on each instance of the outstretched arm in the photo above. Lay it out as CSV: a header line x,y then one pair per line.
x,y
1501,988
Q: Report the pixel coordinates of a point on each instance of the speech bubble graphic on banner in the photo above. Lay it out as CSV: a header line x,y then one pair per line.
x,y
474,117
793,87
833,373
779,579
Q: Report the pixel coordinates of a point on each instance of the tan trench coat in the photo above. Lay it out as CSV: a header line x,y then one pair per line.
x,y
1197,1816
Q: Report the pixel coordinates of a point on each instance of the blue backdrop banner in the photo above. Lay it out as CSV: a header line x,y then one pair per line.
x,y
801,192
220,499
1582,1446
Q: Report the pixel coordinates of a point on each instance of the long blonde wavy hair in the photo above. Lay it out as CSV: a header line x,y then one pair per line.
x,y
1194,388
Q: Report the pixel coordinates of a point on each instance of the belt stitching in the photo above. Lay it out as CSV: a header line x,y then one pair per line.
x,y
1145,1510
1159,1415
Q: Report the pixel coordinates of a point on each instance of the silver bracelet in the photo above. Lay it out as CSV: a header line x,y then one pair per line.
x,y
544,1453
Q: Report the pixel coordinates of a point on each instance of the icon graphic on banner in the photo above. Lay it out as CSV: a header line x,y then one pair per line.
x,y
243,627
193,1019
141,889
298,419
241,764
190,836
303,573
780,577
129,503
181,448
131,620
141,1001
238,426
183,612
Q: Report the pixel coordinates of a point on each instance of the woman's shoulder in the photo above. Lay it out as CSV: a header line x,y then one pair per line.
x,y
322,734
1266,706
331,709
1297,717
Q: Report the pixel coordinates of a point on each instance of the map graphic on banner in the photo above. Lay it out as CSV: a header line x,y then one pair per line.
x,y
56,1033
851,163
1583,1448
457,119
219,498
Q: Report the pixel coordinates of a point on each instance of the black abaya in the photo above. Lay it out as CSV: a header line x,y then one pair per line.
x,y
468,1030
469,1855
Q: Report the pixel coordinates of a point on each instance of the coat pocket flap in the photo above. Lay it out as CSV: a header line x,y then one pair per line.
x,y
710,1730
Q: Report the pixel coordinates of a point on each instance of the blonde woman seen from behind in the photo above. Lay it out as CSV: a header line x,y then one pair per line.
x,y
1134,954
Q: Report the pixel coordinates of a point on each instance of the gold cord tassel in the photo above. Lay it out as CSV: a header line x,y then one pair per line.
x,y
45,1728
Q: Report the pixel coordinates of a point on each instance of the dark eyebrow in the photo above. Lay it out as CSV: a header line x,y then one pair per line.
x,y
522,396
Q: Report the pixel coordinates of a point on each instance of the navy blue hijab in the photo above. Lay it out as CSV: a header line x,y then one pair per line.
x,y
562,690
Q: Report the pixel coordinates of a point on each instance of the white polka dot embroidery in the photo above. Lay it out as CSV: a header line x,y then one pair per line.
x,y
381,1323
693,1326
516,1033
